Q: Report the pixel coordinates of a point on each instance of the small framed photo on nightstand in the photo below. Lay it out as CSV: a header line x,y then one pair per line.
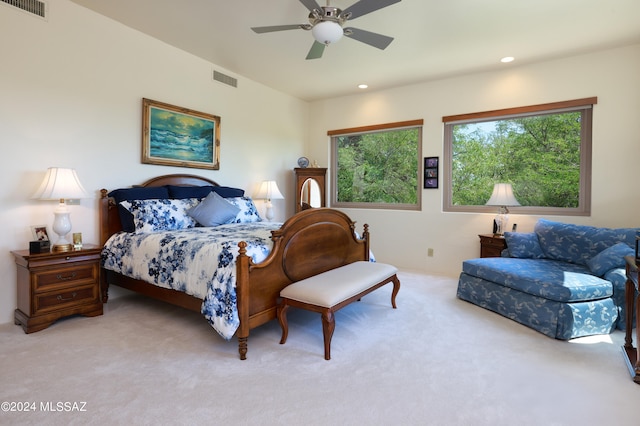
x,y
40,233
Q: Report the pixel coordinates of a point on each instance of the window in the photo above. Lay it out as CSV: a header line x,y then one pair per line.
x,y
377,166
544,151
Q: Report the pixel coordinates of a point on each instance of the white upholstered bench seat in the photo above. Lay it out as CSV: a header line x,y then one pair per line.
x,y
332,290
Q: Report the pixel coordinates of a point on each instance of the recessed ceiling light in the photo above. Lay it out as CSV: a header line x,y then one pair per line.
x,y
507,59
362,86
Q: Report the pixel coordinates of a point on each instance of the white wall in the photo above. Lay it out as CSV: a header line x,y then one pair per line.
x,y
403,237
71,92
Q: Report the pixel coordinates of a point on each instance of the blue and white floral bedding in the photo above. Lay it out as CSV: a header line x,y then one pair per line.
x,y
199,261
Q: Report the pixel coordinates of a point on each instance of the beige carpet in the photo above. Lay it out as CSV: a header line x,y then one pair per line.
x,y
435,360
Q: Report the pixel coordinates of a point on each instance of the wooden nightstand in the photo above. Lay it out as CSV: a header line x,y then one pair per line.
x,y
491,245
55,285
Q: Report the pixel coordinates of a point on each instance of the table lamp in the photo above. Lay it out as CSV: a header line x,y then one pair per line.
x,y
60,184
503,197
268,191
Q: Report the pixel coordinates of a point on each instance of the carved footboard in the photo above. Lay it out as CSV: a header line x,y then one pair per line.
x,y
309,243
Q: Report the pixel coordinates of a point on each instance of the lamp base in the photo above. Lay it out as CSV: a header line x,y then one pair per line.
x,y
268,213
62,247
500,224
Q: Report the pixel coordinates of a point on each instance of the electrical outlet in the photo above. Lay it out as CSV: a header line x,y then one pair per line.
x,y
73,202
430,252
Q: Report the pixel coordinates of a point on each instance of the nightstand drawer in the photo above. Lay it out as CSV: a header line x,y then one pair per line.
x,y
72,276
60,299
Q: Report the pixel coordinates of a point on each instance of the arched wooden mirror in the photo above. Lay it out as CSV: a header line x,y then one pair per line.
x,y
310,194
310,187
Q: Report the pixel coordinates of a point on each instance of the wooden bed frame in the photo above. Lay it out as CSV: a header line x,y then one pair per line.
x,y
309,243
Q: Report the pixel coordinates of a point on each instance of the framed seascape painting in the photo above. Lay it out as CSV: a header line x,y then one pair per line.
x,y
175,136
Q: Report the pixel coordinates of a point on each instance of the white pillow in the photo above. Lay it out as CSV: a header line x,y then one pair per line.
x,y
213,210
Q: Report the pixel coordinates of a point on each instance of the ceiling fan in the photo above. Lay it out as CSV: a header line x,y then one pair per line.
x,y
327,25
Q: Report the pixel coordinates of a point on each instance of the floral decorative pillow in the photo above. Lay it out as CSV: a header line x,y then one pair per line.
x,y
161,214
610,258
248,212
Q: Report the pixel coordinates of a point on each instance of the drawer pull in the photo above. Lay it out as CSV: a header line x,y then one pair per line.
x,y
68,277
64,299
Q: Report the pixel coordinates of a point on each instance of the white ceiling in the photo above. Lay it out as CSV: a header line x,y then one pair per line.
x,y
433,38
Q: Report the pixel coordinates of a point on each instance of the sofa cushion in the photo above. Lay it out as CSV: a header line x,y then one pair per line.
x,y
554,319
524,245
578,243
609,258
550,279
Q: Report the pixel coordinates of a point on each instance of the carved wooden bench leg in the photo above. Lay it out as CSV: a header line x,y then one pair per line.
x,y
396,289
282,319
328,327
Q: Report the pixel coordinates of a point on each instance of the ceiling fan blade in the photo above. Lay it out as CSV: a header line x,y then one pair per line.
x,y
316,51
372,39
366,6
311,5
273,28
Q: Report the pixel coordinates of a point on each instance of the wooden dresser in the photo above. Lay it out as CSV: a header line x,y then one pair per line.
x,y
53,285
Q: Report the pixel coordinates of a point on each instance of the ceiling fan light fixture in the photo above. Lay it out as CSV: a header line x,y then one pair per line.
x,y
327,32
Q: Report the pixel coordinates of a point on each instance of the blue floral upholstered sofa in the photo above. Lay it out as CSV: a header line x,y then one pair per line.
x,y
563,280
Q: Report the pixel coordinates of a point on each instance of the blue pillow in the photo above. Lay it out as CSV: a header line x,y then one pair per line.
x,y
523,245
610,258
213,211
180,192
128,194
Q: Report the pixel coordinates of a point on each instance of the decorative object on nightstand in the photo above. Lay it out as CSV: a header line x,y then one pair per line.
x,y
310,187
268,191
60,184
503,197
54,285
491,245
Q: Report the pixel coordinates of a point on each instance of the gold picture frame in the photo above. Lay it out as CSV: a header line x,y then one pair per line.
x,y
175,136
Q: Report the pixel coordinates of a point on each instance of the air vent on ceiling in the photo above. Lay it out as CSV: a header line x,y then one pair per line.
x,y
223,78
34,7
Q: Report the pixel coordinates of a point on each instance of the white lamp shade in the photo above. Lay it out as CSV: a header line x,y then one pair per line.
x,y
60,183
327,32
268,191
502,196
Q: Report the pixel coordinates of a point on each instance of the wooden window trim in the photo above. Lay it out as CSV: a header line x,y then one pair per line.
x,y
376,127
576,103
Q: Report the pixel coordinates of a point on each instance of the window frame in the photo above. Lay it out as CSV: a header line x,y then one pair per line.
x,y
584,198
334,134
